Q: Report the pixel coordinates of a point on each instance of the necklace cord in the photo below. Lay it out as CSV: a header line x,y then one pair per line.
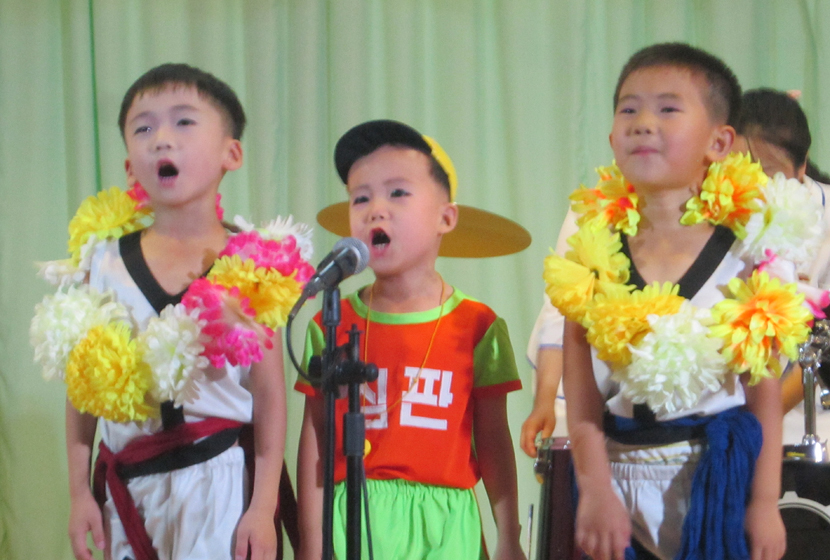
x,y
417,377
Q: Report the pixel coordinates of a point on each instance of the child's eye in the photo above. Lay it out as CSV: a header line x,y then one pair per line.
x,y
669,109
626,111
398,192
185,122
360,200
141,129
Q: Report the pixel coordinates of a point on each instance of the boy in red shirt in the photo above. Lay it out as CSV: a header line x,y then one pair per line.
x,y
445,367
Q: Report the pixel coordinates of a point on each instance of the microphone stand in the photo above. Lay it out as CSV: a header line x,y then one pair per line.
x,y
342,366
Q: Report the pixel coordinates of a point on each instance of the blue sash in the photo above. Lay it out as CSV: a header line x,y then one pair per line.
x,y
714,526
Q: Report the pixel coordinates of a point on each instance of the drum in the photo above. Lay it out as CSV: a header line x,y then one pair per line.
x,y
805,509
555,536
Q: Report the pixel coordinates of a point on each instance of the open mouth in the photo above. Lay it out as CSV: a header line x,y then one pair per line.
x,y
167,170
379,238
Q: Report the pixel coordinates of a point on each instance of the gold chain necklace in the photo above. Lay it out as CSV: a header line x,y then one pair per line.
x,y
417,377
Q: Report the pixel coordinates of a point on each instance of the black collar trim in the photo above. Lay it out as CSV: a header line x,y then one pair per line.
x,y
702,268
133,257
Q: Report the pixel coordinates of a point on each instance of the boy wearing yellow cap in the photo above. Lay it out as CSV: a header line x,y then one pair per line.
x,y
445,367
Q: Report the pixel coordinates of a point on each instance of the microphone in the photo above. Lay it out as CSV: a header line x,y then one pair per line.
x,y
348,257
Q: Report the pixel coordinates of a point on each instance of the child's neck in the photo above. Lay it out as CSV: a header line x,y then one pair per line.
x,y
178,249
193,222
661,211
407,293
664,249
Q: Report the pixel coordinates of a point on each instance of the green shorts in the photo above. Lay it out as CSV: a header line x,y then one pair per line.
x,y
412,521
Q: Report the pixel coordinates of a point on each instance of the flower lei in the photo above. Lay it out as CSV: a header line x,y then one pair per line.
x,y
663,350
87,337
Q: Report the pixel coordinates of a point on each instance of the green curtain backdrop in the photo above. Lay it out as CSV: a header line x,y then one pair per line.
x,y
517,91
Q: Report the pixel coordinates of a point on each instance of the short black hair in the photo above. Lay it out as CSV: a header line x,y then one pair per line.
x,y
365,138
724,97
775,117
205,83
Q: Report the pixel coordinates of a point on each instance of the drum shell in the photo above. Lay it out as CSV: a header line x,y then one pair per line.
x,y
555,537
805,509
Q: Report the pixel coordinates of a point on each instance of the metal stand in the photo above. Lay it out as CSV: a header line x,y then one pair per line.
x,y
810,355
341,366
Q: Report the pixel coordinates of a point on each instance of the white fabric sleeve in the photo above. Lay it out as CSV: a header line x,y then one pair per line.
x,y
820,267
550,324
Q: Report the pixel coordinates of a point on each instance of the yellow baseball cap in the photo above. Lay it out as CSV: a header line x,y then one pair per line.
x,y
477,234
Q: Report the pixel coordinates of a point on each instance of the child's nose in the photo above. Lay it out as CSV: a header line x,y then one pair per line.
x,y
644,123
377,209
163,138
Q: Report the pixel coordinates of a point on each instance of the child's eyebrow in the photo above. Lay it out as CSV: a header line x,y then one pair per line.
x,y
628,97
175,108
397,180
185,107
662,96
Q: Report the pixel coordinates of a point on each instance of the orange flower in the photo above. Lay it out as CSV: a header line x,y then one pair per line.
x,y
613,201
764,317
729,194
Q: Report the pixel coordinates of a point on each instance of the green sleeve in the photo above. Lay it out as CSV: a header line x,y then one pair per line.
x,y
315,342
493,358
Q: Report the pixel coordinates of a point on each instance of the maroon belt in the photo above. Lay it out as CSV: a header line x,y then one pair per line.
x,y
146,455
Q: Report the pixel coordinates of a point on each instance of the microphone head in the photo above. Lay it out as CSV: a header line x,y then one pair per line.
x,y
358,249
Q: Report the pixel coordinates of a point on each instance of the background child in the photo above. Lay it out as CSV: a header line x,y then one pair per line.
x,y
182,130
642,368
544,353
445,364
774,129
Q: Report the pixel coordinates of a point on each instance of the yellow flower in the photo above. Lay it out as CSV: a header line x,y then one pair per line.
x,y
594,265
615,321
110,213
764,317
729,194
270,294
105,377
613,201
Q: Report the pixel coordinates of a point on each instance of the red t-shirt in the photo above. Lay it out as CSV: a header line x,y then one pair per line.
x,y
422,434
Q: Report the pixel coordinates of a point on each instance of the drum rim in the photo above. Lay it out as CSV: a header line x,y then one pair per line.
x,y
788,502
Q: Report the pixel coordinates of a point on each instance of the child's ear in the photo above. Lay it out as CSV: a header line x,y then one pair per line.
x,y
128,168
449,217
722,139
233,156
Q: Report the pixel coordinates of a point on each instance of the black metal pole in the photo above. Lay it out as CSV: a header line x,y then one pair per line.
x,y
331,319
354,435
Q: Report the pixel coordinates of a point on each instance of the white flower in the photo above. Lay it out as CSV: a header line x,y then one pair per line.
x,y
63,319
170,347
675,363
789,224
243,224
60,273
86,254
63,273
280,228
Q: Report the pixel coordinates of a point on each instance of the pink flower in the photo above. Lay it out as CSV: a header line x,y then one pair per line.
x,y
220,212
137,193
282,256
231,333
815,299
777,267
